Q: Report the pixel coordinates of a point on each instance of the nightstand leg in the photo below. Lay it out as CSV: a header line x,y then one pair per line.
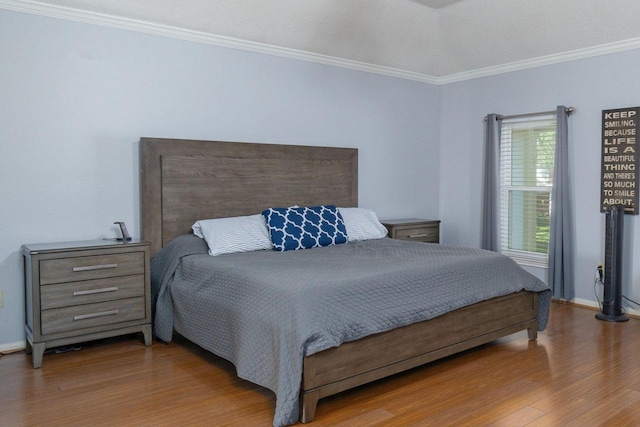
x,y
38,353
533,333
146,332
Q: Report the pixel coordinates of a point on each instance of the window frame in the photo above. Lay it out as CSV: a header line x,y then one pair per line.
x,y
506,185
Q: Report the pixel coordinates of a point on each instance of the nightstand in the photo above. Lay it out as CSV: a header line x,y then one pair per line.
x,y
416,229
82,291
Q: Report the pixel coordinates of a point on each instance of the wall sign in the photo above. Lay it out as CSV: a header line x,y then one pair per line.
x,y
620,159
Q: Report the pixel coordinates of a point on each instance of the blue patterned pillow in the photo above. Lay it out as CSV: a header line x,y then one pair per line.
x,y
305,227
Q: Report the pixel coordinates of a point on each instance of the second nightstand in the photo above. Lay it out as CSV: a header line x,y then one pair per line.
x,y
81,291
416,229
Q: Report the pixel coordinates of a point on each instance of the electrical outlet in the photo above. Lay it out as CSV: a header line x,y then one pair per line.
x,y
601,271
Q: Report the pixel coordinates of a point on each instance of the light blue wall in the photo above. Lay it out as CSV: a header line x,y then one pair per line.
x,y
589,85
75,99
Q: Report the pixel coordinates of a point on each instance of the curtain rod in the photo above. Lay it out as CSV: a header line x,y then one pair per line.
x,y
567,110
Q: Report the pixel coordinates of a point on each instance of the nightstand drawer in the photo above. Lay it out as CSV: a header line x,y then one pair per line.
x,y
87,316
91,291
425,234
414,229
90,267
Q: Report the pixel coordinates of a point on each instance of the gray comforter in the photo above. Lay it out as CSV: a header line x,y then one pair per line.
x,y
265,310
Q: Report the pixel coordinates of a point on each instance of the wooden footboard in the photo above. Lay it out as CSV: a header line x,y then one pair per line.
x,y
381,355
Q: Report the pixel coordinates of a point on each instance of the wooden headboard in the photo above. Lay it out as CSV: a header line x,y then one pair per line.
x,y
183,181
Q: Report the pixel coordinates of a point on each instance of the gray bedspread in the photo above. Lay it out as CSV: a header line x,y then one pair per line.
x,y
265,310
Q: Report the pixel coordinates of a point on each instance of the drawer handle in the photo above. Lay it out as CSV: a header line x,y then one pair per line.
x,y
92,315
416,236
94,291
95,267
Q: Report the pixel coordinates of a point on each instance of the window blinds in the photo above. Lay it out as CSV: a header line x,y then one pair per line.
x,y
527,147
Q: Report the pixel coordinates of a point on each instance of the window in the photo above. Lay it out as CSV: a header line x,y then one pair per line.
x,y
527,149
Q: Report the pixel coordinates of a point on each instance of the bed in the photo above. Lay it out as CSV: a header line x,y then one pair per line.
x,y
183,181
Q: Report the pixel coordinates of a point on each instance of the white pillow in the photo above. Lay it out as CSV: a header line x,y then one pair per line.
x,y
234,234
362,224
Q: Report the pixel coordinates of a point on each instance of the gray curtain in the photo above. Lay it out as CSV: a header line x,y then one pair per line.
x,y
560,272
490,236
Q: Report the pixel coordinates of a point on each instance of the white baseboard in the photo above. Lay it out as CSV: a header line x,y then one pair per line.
x,y
594,304
10,347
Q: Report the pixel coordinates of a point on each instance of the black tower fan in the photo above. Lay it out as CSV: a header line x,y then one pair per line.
x,y
612,302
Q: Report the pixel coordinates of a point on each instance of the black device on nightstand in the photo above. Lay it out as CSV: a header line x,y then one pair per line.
x,y
123,229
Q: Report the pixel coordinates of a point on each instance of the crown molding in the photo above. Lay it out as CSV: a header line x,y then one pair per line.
x,y
95,18
590,52
33,7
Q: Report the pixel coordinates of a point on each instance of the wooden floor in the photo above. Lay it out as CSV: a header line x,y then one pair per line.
x,y
580,372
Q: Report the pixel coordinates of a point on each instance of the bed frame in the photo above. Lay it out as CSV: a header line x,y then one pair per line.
x,y
186,180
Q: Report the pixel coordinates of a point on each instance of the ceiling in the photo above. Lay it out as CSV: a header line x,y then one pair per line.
x,y
422,39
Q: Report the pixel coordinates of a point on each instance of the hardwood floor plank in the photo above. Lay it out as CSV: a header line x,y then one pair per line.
x,y
522,417
580,372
